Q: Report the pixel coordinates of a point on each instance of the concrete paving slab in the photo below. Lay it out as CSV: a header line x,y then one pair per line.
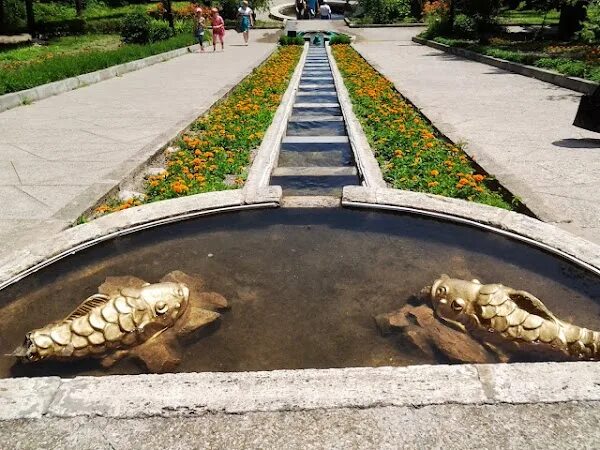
x,y
517,128
72,143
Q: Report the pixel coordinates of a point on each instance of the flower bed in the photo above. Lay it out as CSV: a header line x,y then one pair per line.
x,y
215,152
411,153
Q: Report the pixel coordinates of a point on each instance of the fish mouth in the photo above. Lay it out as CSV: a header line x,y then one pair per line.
x,y
19,352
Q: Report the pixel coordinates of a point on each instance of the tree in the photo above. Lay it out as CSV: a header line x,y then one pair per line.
x,y
169,13
572,15
79,7
30,17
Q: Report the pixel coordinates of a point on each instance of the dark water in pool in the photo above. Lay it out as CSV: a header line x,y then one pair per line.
x,y
303,285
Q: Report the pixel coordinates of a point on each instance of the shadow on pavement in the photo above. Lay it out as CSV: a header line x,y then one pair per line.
x,y
578,143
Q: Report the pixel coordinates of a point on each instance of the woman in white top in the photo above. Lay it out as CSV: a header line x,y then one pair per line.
x,y
325,11
245,16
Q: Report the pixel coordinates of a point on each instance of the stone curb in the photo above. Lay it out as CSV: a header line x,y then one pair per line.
x,y
14,99
549,76
363,154
382,25
268,152
533,231
194,394
16,266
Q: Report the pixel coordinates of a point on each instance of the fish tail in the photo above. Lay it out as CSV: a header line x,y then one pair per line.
x,y
581,341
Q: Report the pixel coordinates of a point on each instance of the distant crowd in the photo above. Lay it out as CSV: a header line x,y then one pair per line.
x,y
310,9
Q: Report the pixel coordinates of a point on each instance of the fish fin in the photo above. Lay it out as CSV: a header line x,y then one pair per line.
x,y
531,304
453,324
158,356
87,305
501,355
113,358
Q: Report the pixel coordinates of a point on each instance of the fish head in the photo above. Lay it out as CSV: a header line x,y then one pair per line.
x,y
166,301
27,351
453,299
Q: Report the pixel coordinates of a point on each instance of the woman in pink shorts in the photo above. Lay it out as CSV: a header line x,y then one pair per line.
x,y
218,29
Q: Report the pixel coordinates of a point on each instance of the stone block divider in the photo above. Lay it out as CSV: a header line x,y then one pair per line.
x,y
194,394
549,76
268,152
18,265
363,154
519,226
14,99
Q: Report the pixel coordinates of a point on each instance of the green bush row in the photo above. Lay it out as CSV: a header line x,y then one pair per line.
x,y
287,40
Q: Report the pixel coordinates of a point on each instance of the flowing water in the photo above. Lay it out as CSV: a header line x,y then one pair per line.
x,y
303,285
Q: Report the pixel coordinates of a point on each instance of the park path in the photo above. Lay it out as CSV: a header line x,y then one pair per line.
x,y
517,128
58,155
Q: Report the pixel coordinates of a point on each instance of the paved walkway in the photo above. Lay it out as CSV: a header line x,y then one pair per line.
x,y
517,128
58,155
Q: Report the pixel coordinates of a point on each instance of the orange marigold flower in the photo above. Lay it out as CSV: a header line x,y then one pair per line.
x,y
434,172
479,178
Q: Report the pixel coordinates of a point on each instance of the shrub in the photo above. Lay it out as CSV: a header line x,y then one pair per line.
x,y
136,28
183,26
590,32
464,26
563,65
104,26
159,31
483,13
340,39
437,18
386,11
286,40
61,27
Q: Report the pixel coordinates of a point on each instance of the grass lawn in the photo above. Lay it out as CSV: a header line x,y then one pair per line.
x,y
27,67
572,59
513,17
411,153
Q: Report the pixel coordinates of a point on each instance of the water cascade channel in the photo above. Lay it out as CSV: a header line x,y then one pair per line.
x,y
316,157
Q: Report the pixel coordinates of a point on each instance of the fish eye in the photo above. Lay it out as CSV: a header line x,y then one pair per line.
x,y
442,290
161,307
458,304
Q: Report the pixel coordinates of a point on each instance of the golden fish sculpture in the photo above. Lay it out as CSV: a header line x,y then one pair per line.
x,y
138,320
510,322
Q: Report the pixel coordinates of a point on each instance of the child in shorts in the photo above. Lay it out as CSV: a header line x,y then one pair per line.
x,y
218,29
200,25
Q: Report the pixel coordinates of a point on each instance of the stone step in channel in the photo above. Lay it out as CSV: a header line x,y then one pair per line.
x,y
315,157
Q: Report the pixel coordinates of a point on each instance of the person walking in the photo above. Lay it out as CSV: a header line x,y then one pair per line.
x,y
325,10
218,29
200,23
312,8
300,9
246,18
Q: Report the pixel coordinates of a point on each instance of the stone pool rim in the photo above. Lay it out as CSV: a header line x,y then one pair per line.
x,y
193,394
18,265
